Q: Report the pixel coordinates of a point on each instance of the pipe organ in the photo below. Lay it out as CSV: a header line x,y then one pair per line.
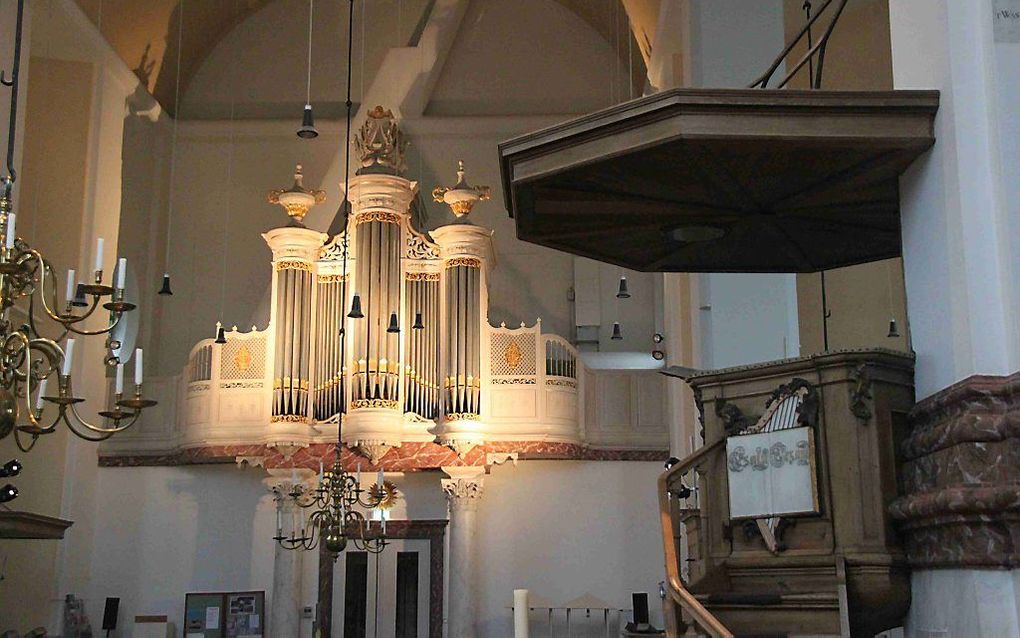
x,y
383,327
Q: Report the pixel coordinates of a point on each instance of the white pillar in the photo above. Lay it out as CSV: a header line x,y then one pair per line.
x,y
955,213
285,603
959,208
463,490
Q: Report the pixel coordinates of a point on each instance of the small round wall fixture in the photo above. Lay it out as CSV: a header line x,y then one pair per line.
x,y
690,234
657,338
658,355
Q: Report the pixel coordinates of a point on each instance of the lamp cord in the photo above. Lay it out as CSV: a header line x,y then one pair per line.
x,y
173,141
344,206
308,85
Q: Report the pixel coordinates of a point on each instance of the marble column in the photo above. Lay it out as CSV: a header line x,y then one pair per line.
x,y
463,491
285,603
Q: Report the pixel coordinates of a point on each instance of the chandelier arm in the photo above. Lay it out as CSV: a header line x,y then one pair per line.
x,y
107,432
47,348
115,314
21,446
33,253
83,435
69,321
32,321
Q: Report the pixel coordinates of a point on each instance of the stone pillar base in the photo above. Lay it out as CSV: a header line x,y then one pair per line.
x,y
961,476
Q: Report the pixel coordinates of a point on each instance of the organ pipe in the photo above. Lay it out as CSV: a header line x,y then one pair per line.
x,y
462,365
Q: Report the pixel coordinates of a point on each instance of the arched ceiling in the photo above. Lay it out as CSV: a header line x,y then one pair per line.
x,y
145,34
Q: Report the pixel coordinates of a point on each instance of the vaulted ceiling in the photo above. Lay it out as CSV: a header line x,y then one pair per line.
x,y
145,34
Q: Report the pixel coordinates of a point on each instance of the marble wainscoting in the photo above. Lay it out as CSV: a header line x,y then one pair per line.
x,y
409,457
961,476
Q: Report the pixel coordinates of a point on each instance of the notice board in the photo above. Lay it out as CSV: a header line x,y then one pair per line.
x,y
238,614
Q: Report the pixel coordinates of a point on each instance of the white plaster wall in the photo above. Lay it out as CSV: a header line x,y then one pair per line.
x,y
53,569
747,318
164,531
537,532
743,318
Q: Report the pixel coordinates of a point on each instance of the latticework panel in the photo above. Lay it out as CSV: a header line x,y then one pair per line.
x,y
243,359
512,354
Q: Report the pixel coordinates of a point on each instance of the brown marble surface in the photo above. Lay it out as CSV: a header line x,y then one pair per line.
x,y
409,457
960,476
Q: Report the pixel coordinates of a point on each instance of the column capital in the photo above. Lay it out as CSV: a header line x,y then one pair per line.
x,y
282,482
464,487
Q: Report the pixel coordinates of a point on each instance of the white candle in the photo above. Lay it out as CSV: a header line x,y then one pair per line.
x,y
11,219
42,393
121,272
279,522
138,366
384,523
379,479
120,379
68,355
70,286
521,613
359,475
99,254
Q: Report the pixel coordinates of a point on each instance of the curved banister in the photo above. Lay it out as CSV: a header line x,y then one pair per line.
x,y
678,592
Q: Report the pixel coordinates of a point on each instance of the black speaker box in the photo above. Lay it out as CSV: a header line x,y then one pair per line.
x,y
110,614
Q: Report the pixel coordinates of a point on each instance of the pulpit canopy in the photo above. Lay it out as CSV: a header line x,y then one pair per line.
x,y
722,180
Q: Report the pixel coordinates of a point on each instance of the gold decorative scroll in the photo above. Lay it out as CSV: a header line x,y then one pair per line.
x,y
373,403
289,418
293,264
461,416
331,279
302,384
422,276
377,216
468,262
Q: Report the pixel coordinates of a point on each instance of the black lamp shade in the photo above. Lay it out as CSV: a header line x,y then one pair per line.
x,y
893,329
418,325
623,293
165,290
394,327
617,335
307,130
221,336
79,297
355,312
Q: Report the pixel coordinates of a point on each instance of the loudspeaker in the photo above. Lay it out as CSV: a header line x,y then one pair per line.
x,y
640,602
110,614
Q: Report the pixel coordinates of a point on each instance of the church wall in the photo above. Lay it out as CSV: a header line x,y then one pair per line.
x,y
71,178
166,531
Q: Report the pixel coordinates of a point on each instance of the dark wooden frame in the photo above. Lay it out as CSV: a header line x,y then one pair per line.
x,y
432,530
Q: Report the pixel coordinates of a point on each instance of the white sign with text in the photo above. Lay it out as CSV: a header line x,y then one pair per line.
x,y
772,473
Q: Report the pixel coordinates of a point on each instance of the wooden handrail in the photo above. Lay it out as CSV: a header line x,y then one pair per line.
x,y
678,592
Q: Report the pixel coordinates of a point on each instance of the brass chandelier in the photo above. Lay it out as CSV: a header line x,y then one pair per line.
x,y
335,520
29,360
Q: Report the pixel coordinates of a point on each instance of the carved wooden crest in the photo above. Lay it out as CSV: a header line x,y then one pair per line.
x,y
793,405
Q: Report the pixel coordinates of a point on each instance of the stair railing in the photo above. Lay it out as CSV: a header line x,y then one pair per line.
x,y
680,601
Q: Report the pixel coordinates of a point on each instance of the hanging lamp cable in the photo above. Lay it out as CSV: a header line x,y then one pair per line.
x,y
344,208
308,82
165,290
